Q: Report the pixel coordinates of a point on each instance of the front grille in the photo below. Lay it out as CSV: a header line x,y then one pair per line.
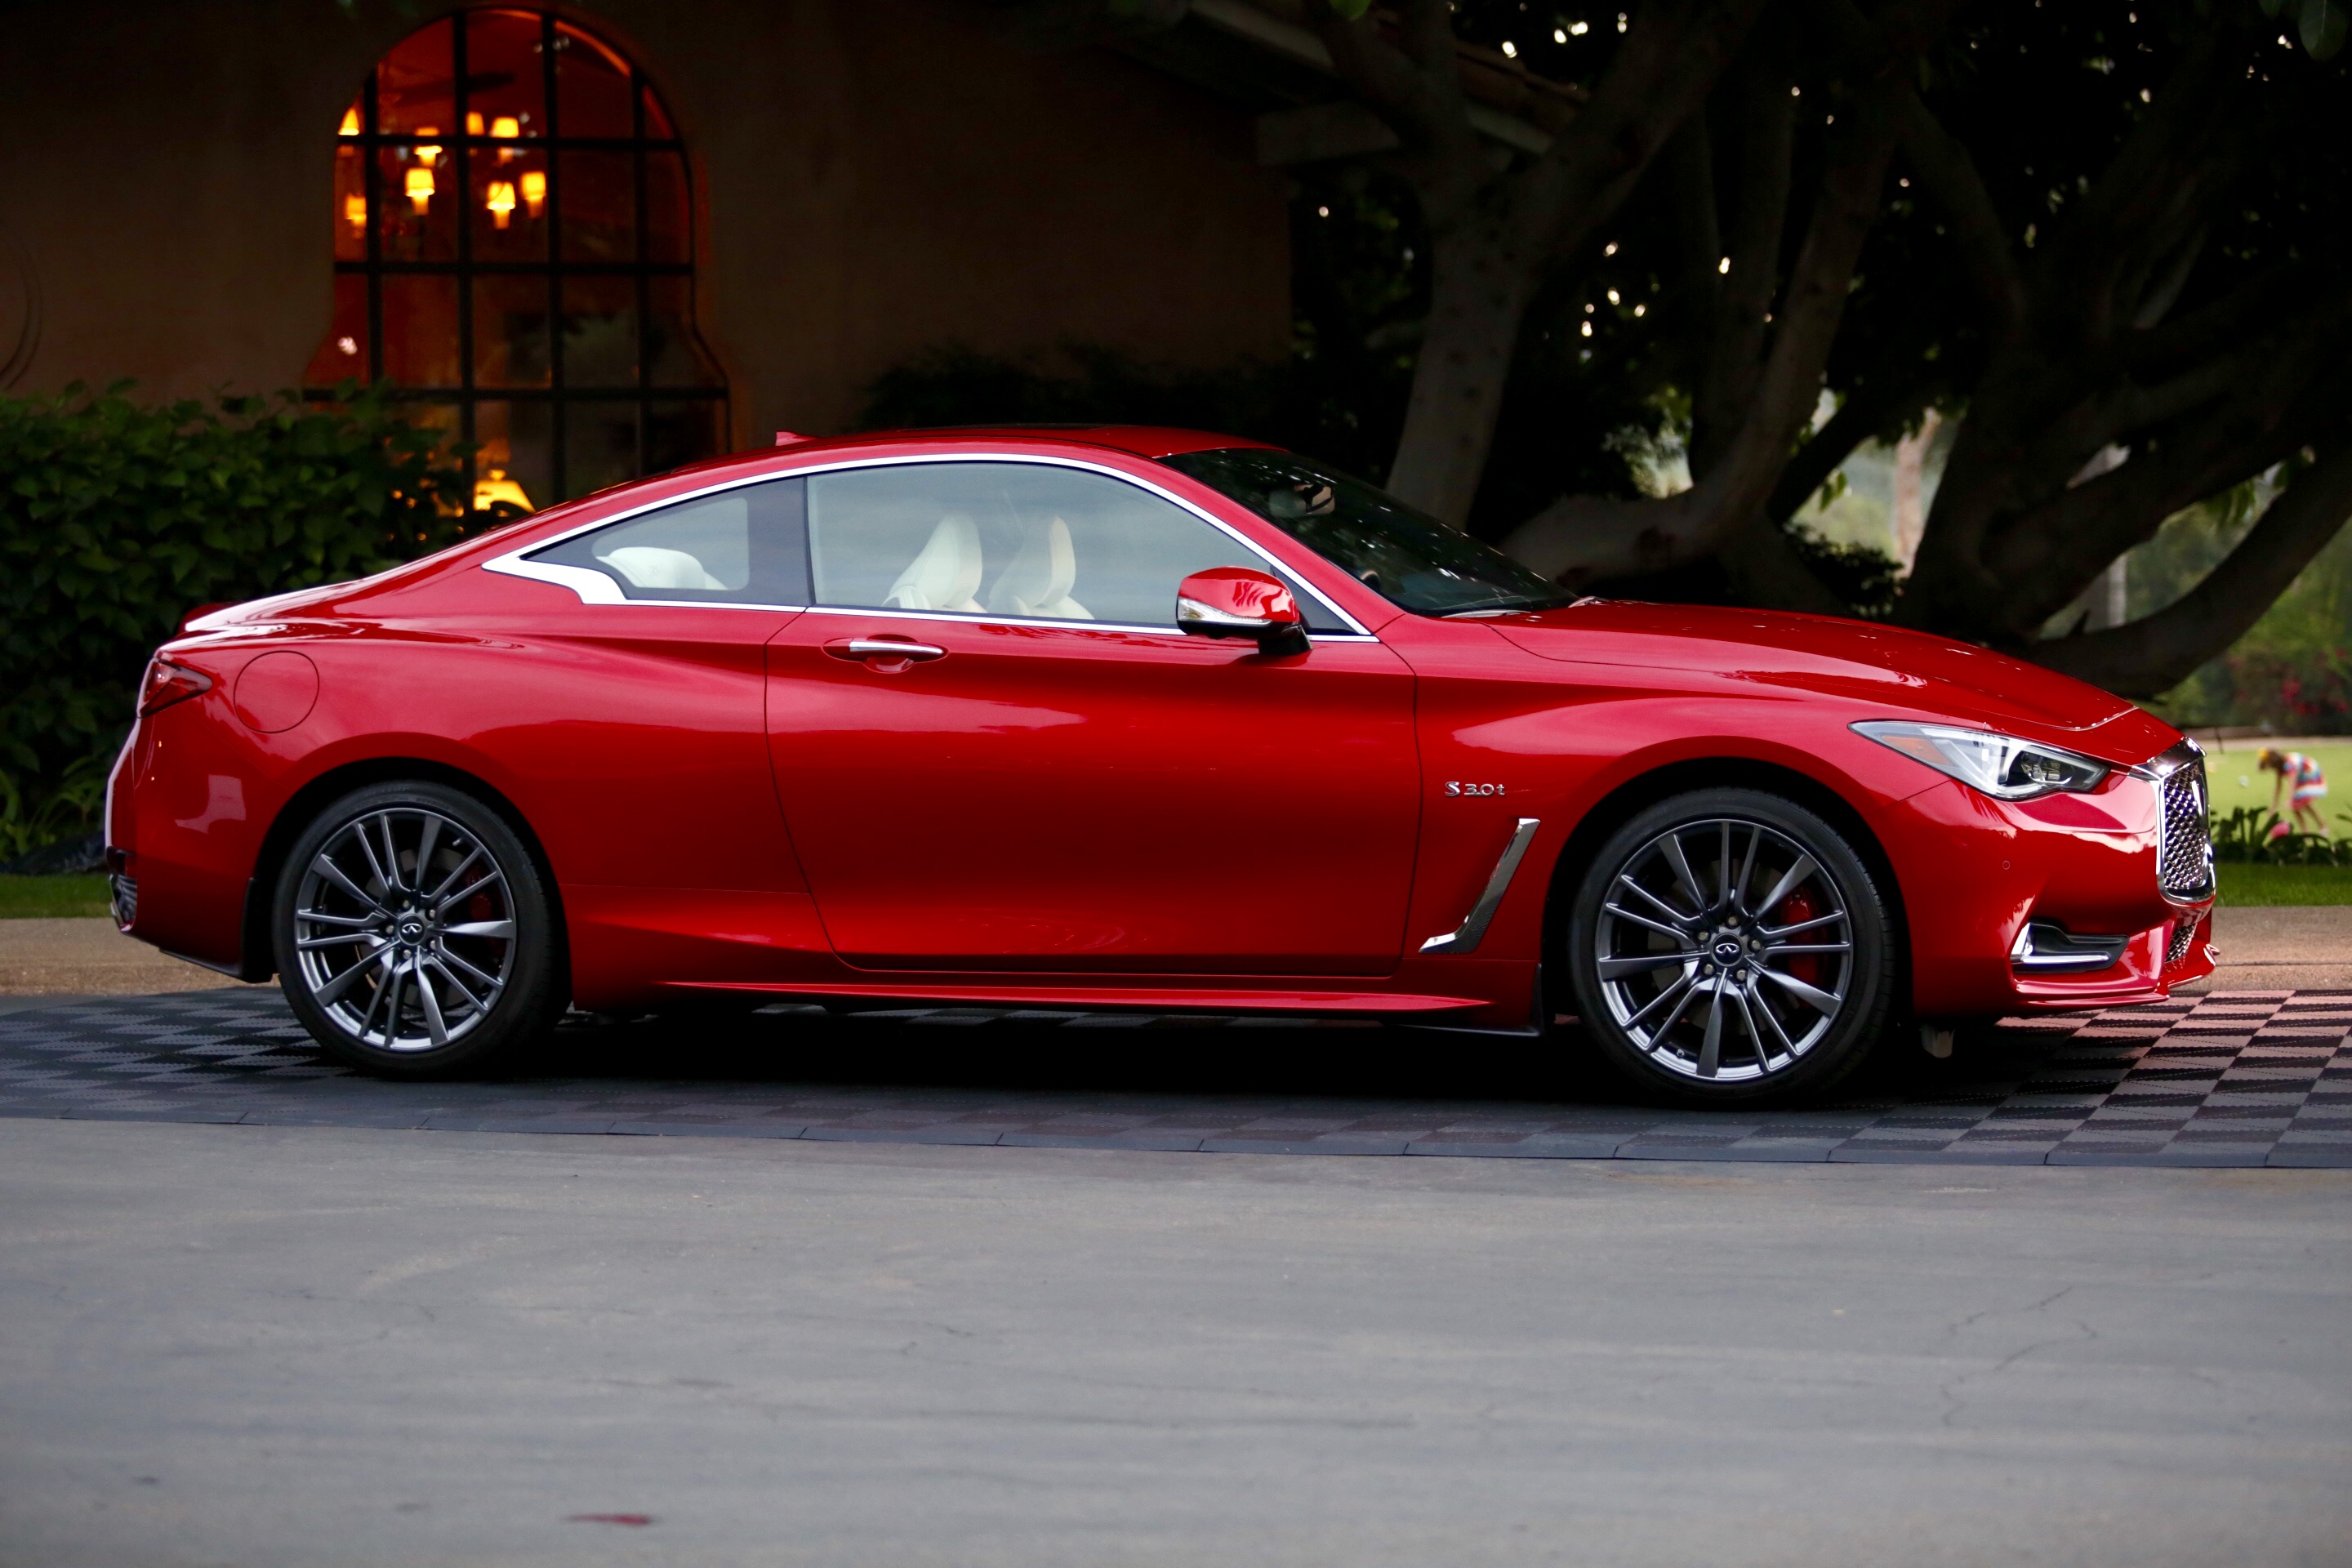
x,y
2184,865
126,899
2184,937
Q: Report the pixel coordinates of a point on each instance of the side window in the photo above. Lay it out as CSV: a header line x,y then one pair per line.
x,y
746,545
1006,539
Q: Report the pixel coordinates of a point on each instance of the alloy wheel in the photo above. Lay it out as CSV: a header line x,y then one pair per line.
x,y
405,930
1724,950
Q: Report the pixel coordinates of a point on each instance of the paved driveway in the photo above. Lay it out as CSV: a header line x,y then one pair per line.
x,y
262,1346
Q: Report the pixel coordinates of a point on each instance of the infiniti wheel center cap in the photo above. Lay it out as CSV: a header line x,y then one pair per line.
x,y
1727,952
412,930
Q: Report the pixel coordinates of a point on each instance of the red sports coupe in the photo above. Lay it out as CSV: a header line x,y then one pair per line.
x,y
1127,717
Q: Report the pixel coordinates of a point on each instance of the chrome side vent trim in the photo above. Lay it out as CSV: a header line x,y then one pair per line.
x,y
2045,947
1466,937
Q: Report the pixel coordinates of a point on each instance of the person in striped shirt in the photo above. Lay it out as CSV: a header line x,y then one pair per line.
x,y
2303,784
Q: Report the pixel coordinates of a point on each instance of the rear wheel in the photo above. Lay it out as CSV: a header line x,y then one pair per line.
x,y
414,933
1730,947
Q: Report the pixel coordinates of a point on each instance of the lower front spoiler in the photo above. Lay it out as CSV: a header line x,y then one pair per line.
x,y
2151,963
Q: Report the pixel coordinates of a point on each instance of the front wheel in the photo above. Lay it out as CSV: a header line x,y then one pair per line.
x,y
1730,947
415,935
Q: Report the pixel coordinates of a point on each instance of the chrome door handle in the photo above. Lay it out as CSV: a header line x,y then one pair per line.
x,y
885,647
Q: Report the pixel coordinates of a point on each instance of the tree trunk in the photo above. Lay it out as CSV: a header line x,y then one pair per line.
x,y
1481,287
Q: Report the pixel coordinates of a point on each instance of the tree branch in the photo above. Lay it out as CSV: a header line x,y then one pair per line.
x,y
1878,407
2155,653
1583,539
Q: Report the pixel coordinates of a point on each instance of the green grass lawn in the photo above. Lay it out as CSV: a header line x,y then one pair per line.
x,y
2250,885
48,898
2224,772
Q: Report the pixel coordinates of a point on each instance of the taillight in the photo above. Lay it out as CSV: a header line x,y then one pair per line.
x,y
168,683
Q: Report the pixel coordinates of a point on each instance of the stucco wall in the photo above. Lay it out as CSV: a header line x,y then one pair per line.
x,y
876,177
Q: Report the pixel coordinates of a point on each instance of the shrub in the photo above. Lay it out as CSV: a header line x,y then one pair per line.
x,y
2243,837
117,519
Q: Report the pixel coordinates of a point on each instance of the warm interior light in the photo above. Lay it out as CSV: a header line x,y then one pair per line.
x,y
500,200
506,125
534,190
494,486
473,124
355,213
428,153
419,185
350,125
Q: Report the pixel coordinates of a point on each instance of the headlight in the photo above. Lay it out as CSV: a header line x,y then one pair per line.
x,y
2001,765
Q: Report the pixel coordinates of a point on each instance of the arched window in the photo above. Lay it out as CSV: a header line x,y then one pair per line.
x,y
514,251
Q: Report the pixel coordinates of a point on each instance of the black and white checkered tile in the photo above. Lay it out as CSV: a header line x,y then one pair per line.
x,y
2244,1078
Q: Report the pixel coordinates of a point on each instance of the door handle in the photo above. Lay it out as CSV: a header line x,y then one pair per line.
x,y
879,650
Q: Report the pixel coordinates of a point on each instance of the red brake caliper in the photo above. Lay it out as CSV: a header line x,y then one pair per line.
x,y
1804,966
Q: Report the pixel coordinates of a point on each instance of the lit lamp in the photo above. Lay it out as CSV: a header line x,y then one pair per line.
x,y
355,213
473,124
428,153
534,190
494,486
350,125
419,186
506,127
500,200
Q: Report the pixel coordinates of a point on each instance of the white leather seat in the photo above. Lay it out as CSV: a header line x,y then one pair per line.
x,y
1038,581
945,574
657,566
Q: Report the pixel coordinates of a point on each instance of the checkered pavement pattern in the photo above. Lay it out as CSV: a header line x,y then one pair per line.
x,y
2234,1078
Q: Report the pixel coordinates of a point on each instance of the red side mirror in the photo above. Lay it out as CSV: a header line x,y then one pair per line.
x,y
1235,602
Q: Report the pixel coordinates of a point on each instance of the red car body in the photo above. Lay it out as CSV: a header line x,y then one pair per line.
x,y
1075,815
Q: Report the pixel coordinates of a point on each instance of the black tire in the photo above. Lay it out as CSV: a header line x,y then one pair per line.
x,y
449,965
1728,969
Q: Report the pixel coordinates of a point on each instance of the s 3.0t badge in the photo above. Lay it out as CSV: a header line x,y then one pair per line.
x,y
1456,786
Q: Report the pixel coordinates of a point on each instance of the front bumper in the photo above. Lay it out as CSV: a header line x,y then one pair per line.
x,y
1980,875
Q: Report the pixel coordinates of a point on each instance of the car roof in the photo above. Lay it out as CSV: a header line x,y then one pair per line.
x,y
1140,440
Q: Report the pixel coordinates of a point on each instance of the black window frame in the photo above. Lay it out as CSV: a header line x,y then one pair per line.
x,y
462,148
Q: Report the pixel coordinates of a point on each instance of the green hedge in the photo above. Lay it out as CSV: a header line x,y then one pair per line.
x,y
116,519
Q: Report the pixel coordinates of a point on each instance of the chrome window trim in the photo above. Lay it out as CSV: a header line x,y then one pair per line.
x,y
515,563
1466,937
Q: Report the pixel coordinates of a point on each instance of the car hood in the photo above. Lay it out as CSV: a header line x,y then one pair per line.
x,y
1906,672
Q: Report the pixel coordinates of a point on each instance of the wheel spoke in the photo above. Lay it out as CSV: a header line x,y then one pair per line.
x,y
391,852
1673,913
334,873
393,984
335,987
470,889
1723,868
1681,864
1777,949
492,981
1765,1007
425,842
1646,923
1710,1048
1813,997
1755,1037
1681,987
1793,879
345,939
477,1004
1642,964
1774,934
375,866
432,1005
437,895
320,917
1738,899
500,931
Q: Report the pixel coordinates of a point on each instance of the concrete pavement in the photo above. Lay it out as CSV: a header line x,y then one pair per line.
x,y
265,1346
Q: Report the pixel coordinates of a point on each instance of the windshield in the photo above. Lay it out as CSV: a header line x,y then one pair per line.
x,y
1407,557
